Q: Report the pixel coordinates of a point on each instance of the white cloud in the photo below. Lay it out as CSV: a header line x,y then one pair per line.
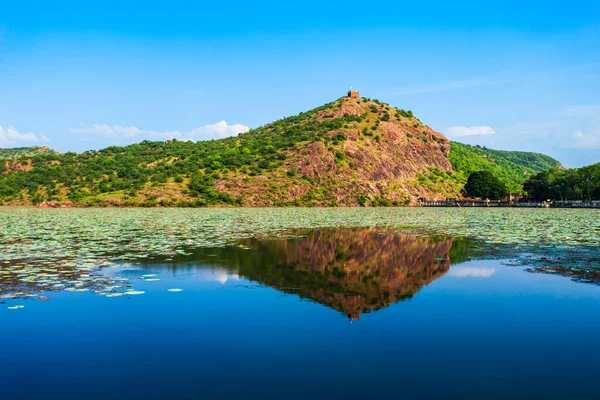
x,y
219,275
469,131
118,134
463,272
10,137
218,130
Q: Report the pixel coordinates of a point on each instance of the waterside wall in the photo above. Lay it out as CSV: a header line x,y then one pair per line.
x,y
500,203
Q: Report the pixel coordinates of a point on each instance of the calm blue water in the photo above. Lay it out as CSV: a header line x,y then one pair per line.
x,y
294,319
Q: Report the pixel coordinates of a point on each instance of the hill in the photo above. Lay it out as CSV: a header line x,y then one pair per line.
x,y
512,167
353,271
19,152
349,152
353,151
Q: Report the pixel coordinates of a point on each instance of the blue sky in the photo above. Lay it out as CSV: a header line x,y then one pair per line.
x,y
84,75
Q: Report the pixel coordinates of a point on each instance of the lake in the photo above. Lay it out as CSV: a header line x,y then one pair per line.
x,y
297,303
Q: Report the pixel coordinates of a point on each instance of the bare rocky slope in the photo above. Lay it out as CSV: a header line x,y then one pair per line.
x,y
374,153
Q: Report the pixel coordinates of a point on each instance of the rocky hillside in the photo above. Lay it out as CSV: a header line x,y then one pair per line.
x,y
353,151
353,271
350,152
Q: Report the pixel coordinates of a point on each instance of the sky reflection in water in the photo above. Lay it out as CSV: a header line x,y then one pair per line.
x,y
269,319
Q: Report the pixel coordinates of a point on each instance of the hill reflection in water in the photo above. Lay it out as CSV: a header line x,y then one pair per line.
x,y
353,271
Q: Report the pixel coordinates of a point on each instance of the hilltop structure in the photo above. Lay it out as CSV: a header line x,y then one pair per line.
x,y
350,152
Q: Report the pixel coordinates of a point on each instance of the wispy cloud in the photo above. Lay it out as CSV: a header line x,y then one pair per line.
x,y
584,121
581,111
486,81
581,140
11,137
470,131
449,85
440,87
118,134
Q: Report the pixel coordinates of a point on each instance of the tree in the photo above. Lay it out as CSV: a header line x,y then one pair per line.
x,y
484,184
590,180
545,185
560,184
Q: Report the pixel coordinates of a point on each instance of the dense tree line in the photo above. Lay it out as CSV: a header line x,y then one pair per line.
x,y
565,184
512,168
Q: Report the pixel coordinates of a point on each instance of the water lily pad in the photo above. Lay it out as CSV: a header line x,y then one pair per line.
x,y
48,251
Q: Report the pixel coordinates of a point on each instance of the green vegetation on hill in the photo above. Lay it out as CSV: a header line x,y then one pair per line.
x,y
348,152
19,152
511,167
303,157
122,172
188,168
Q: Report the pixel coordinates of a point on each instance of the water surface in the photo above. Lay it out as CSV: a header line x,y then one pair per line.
x,y
322,313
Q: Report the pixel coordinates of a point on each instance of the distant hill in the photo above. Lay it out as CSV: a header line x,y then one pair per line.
x,y
353,151
511,167
20,152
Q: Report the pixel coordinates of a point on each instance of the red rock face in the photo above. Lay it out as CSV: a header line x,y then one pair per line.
x,y
318,160
382,156
351,270
349,152
16,166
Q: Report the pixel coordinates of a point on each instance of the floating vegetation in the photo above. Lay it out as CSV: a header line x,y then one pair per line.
x,y
15,307
115,294
576,274
51,250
